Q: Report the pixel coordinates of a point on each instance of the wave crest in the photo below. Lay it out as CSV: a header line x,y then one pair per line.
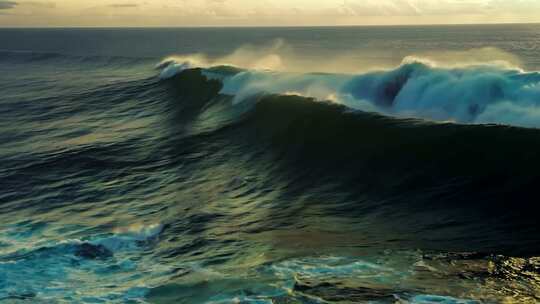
x,y
478,93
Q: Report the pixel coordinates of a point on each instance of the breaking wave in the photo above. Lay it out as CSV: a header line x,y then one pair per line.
x,y
474,94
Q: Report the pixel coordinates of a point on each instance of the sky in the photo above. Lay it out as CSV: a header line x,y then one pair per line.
x,y
142,13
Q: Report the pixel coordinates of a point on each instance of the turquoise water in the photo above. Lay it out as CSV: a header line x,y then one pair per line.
x,y
270,165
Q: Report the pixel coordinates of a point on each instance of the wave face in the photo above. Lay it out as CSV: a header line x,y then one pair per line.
x,y
236,179
384,159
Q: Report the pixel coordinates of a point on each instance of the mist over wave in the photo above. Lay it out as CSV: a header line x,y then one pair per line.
x,y
279,56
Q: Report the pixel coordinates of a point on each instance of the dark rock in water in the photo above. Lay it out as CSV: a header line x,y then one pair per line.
x,y
335,292
93,252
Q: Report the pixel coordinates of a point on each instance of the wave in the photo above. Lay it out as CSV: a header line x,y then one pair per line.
x,y
474,94
436,176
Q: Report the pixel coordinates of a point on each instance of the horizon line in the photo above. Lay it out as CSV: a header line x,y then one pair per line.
x,y
267,26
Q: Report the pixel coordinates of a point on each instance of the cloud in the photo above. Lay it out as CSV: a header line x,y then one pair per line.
x,y
123,5
517,6
414,7
6,4
379,8
39,4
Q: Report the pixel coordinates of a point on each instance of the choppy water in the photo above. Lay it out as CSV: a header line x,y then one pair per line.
x,y
299,165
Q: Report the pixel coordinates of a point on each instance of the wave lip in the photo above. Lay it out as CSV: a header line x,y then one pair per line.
x,y
170,69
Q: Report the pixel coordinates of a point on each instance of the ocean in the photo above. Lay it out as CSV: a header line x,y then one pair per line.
x,y
270,165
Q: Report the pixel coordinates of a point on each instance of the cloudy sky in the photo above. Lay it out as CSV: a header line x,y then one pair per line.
x,y
39,13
